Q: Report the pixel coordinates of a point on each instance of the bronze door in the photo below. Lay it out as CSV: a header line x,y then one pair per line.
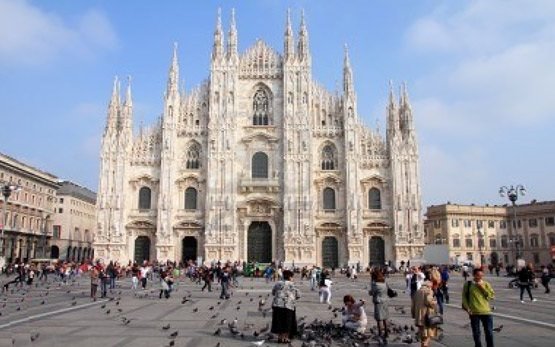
x,y
142,249
330,252
377,251
259,242
189,249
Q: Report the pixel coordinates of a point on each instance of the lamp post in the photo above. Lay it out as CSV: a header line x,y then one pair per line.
x,y
512,194
7,190
44,232
480,245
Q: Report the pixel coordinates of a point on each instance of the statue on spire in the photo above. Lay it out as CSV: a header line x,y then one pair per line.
x,y
217,51
289,45
232,38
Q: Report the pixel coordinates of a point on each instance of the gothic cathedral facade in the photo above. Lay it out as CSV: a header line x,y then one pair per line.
x,y
259,163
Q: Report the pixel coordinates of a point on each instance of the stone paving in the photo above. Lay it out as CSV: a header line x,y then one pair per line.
x,y
68,317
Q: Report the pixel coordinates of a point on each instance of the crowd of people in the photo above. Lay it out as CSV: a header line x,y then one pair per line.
x,y
428,287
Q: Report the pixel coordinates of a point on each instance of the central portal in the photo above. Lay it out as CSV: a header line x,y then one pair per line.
x,y
259,242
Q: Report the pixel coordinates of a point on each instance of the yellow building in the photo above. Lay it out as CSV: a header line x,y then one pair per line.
x,y
27,222
491,235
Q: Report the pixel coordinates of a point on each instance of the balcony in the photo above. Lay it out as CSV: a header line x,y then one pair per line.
x,y
143,213
259,185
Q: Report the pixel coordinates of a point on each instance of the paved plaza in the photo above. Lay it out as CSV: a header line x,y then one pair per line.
x,y
63,315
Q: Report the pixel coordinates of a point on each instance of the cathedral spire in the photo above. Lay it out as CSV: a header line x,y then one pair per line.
x,y
128,100
405,109
392,113
127,112
347,74
391,96
289,44
173,76
218,49
232,38
303,41
112,122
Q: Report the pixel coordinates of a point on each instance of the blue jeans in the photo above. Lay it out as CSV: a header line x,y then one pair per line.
x,y
224,294
112,282
440,299
487,322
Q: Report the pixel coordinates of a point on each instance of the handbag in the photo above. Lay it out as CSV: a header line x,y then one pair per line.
x,y
431,320
391,292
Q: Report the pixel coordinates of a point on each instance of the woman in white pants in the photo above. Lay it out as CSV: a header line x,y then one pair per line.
x,y
325,288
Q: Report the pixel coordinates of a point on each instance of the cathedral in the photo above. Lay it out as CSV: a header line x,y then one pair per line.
x,y
259,163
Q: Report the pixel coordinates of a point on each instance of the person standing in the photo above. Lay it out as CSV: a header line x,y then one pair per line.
x,y
103,283
380,299
424,305
224,283
207,277
525,280
135,272
354,317
94,282
144,274
545,279
111,270
444,287
325,288
475,300
164,286
284,320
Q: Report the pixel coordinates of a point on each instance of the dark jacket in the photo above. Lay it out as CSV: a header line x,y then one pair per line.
x,y
525,276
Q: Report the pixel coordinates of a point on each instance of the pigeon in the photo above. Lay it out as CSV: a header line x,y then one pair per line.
x,y
74,303
498,329
195,309
171,344
223,321
34,336
214,316
120,310
218,332
43,302
173,335
210,308
108,312
103,306
127,321
166,327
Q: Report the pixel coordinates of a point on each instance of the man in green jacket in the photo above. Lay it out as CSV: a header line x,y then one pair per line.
x,y
475,300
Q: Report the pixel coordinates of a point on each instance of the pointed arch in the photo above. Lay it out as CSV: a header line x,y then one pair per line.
x,y
262,105
328,157
193,156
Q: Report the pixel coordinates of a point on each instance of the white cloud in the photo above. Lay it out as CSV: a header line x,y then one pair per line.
x,y
497,66
31,36
484,89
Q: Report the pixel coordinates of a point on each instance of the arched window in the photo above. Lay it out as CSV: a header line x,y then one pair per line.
x,y
374,199
144,198
260,165
190,198
328,158
193,157
329,199
261,108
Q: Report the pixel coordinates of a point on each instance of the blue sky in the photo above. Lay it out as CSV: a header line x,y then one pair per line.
x,y
481,77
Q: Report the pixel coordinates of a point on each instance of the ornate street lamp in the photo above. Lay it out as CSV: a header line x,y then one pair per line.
x,y
480,245
7,190
512,194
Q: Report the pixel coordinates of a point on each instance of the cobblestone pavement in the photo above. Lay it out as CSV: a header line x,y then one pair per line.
x,y
63,315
